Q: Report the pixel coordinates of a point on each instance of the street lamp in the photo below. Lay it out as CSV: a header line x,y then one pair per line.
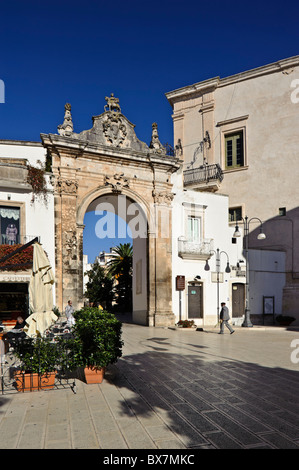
x,y
218,254
261,236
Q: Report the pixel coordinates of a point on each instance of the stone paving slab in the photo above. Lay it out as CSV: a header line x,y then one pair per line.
x,y
171,390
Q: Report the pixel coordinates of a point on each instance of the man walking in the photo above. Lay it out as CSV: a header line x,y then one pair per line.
x,y
224,317
69,310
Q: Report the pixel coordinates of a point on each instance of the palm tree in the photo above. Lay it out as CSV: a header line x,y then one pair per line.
x,y
120,266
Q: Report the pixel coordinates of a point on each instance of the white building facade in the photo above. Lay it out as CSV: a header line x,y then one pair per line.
x,y
238,136
22,219
203,248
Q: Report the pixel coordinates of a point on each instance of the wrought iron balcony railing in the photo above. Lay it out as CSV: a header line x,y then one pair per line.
x,y
205,175
15,240
195,250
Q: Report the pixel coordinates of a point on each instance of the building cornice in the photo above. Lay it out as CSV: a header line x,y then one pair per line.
x,y
279,66
196,89
27,143
85,149
217,82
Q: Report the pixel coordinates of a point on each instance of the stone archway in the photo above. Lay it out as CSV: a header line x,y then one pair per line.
x,y
110,159
134,212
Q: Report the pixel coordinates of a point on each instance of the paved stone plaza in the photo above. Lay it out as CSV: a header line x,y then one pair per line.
x,y
171,390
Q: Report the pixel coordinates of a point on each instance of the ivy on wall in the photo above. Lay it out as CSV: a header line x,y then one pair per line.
x,y
36,179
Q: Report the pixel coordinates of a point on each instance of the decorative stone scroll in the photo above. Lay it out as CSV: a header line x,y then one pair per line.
x,y
66,186
117,182
69,246
163,197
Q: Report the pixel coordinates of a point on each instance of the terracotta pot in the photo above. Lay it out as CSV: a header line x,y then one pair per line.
x,y
29,382
94,375
47,380
26,382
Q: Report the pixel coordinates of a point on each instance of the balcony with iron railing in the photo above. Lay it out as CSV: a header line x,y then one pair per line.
x,y
204,178
16,239
195,250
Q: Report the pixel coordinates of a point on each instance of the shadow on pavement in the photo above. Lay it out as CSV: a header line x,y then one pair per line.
x,y
210,403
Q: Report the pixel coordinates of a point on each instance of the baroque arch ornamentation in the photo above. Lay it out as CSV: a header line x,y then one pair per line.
x,y
110,159
104,191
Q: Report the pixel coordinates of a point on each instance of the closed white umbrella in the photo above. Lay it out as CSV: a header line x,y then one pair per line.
x,y
40,294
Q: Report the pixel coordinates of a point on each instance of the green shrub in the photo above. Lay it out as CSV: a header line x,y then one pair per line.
x,y
37,355
97,338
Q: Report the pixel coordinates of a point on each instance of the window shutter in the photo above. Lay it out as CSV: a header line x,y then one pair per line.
x,y
234,150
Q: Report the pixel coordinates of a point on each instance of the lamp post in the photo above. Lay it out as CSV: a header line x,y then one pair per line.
x,y
261,236
218,254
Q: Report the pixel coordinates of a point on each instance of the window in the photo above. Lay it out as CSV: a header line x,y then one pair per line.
x,y
9,225
234,150
193,229
235,214
282,211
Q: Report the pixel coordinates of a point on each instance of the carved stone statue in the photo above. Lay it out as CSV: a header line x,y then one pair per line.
x,y
66,129
112,104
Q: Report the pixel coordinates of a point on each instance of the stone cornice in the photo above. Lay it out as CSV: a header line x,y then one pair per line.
x,y
78,148
275,67
197,88
213,83
21,142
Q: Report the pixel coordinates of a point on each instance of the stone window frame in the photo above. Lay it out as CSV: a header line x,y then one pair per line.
x,y
231,126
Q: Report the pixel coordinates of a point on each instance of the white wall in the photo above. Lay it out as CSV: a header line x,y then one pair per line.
x,y
39,217
216,228
267,278
32,151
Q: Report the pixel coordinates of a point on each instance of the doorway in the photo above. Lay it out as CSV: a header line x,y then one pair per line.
x,y
195,303
238,299
117,221
14,300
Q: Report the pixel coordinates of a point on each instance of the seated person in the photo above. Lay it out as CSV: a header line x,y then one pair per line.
x,y
18,331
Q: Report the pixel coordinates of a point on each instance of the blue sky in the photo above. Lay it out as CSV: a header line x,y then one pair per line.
x,y
79,52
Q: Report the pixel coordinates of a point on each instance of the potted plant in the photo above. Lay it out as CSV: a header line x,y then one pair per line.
x,y
97,341
38,357
186,324
285,320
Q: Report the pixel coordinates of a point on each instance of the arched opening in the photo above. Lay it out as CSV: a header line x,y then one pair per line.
x,y
115,220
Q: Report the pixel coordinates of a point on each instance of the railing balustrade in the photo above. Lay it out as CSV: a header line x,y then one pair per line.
x,y
203,174
16,240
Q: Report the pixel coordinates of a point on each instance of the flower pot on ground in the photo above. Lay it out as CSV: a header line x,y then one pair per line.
x,y
97,339
284,320
38,357
30,381
186,324
94,375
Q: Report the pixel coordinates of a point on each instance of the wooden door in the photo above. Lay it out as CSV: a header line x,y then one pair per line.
x,y
195,303
238,299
